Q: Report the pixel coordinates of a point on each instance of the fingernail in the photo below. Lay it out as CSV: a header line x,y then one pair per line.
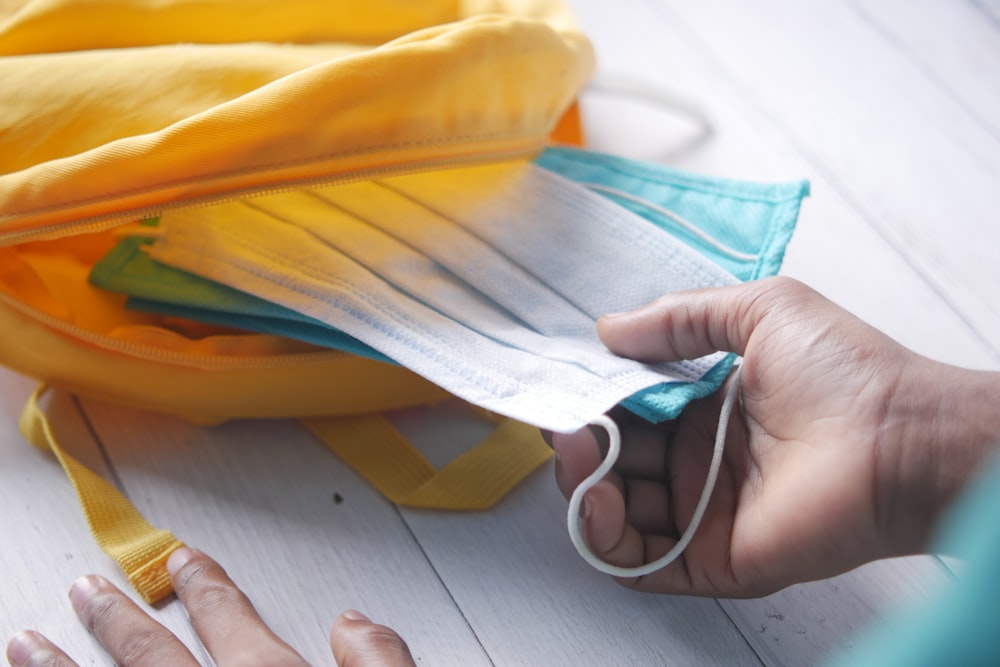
x,y
355,615
587,509
83,589
178,559
611,316
21,646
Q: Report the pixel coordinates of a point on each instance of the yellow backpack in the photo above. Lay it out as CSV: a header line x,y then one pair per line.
x,y
111,112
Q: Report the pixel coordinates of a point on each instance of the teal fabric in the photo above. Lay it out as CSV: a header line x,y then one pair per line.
x,y
752,218
961,626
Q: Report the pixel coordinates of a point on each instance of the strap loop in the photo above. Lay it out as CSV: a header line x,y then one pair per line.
x,y
140,549
476,480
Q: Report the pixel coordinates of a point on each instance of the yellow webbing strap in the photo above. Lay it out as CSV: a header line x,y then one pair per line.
x,y
140,549
473,481
368,443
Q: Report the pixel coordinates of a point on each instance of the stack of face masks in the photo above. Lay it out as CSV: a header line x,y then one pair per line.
x,y
486,280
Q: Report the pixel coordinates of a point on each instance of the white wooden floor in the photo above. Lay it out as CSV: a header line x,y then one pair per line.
x,y
890,107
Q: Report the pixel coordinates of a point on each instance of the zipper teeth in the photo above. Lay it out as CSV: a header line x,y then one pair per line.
x,y
151,353
98,223
108,221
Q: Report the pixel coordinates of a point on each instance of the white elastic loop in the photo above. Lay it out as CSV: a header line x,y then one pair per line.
x,y
573,519
652,93
690,227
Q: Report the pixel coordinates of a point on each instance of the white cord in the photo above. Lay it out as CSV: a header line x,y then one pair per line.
x,y
689,226
657,95
574,521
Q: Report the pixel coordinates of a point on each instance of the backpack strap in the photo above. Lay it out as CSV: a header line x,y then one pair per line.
x,y
476,480
140,549
369,444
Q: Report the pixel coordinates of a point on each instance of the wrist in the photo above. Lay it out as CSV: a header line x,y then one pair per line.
x,y
942,423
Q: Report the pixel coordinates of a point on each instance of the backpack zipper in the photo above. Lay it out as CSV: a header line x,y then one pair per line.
x,y
105,221
108,221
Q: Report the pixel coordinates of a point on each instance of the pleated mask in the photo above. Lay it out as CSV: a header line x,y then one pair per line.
x,y
488,280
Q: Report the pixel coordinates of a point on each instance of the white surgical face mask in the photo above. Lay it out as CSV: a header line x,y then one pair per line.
x,y
487,281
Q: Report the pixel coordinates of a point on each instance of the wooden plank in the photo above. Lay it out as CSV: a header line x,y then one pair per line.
x,y
900,149
46,544
531,598
791,626
990,10
953,43
302,534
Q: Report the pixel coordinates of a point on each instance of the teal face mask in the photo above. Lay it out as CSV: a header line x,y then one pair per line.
x,y
742,228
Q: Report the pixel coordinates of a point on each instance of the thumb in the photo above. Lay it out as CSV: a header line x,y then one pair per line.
x,y
358,642
692,323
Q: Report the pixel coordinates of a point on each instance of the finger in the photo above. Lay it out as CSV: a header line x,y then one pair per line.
x,y
358,642
605,528
614,540
577,455
30,649
223,616
693,323
128,634
648,507
644,450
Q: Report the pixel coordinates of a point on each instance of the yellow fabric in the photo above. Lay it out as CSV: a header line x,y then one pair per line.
x,y
121,108
475,480
140,549
71,25
229,381
132,122
115,110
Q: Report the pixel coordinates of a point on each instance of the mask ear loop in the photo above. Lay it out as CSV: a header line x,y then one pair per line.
x,y
574,521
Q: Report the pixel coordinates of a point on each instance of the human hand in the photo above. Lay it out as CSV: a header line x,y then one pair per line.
x,y
845,446
224,618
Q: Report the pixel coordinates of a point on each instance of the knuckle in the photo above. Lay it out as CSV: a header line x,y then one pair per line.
x,y
377,641
779,293
765,299
191,575
139,646
674,323
106,614
215,597
782,284
385,639
100,611
764,294
206,589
